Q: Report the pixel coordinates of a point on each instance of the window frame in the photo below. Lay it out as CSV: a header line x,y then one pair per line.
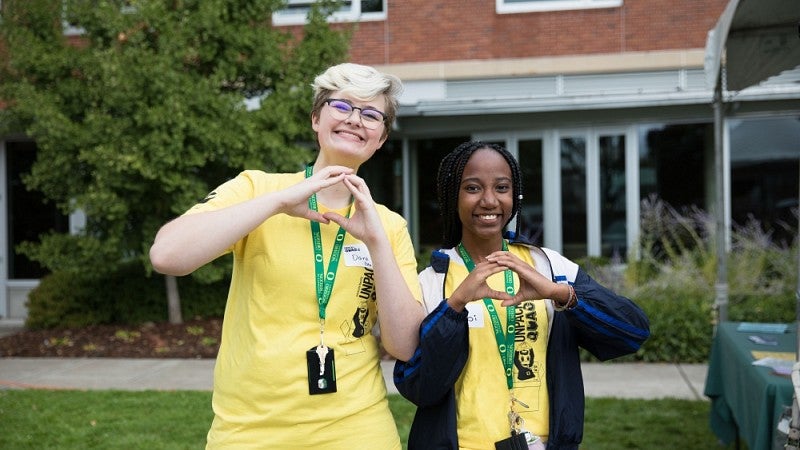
x,y
354,14
505,7
71,30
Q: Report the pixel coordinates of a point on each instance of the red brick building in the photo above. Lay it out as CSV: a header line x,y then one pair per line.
x,y
604,102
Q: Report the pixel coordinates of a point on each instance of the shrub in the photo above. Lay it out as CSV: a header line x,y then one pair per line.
x,y
127,296
680,329
65,300
672,280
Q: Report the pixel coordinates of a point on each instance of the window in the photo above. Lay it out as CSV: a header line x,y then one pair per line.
x,y
532,213
521,6
573,196
28,213
672,162
74,29
383,173
426,220
764,157
613,226
349,11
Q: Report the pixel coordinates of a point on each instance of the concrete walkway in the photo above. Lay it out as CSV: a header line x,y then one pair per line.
x,y
621,380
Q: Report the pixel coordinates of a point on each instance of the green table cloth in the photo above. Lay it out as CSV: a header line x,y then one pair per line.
x,y
745,399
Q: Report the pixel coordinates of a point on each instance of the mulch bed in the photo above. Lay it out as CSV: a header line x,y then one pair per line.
x,y
192,339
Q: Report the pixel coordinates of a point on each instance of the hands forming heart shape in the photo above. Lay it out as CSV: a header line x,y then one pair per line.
x,y
364,223
533,285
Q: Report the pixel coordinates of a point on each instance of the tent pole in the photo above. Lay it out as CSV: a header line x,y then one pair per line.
x,y
721,287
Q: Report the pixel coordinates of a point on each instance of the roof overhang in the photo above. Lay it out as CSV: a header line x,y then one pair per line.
x,y
753,40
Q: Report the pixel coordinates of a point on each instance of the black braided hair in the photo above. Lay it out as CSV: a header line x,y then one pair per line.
x,y
451,169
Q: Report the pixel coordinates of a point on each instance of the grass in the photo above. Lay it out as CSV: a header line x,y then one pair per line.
x,y
108,420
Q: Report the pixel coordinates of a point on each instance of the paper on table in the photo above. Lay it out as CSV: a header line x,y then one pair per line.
x,y
779,365
762,340
756,327
786,356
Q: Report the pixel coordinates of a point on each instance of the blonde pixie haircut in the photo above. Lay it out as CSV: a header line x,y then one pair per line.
x,y
362,82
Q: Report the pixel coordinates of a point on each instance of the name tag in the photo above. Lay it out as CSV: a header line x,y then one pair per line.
x,y
475,312
356,255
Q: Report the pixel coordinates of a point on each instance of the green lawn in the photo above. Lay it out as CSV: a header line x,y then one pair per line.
x,y
108,420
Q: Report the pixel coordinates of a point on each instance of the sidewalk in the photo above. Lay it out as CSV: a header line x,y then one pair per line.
x,y
628,380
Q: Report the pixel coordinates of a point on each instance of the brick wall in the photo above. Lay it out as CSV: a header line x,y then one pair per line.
x,y
447,30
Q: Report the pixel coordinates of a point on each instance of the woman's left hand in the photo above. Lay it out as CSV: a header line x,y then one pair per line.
x,y
533,285
365,223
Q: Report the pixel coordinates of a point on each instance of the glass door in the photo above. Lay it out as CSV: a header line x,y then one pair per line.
x,y
613,187
580,194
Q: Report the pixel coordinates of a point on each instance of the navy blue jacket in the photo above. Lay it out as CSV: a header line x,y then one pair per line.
x,y
604,323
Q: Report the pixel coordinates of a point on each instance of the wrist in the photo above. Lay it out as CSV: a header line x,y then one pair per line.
x,y
570,302
455,305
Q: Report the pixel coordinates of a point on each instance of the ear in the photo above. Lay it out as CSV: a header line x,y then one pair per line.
x,y
315,122
383,139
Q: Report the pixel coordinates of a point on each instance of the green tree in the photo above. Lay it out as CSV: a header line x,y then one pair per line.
x,y
143,112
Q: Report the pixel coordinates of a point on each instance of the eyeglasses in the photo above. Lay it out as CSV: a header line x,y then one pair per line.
x,y
342,109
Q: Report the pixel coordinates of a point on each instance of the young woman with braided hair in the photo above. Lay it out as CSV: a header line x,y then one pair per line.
x,y
497,364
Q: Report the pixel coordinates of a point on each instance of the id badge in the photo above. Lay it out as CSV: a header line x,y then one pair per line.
x,y
517,441
321,377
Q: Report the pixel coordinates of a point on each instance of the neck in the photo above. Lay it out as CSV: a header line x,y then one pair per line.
x,y
334,197
325,159
479,249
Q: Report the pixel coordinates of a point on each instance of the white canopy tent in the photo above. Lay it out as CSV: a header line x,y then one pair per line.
x,y
752,41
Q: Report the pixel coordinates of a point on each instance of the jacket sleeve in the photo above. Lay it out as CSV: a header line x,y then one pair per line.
x,y
426,379
605,323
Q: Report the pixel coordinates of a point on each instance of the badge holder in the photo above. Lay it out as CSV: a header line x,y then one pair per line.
x,y
517,441
520,438
321,375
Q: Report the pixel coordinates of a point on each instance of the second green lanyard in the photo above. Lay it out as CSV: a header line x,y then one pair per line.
x,y
505,340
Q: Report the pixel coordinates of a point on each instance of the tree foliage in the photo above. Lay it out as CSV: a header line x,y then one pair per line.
x,y
141,114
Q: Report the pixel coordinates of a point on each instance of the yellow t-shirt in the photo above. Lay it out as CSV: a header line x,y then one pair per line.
x,y
482,395
261,397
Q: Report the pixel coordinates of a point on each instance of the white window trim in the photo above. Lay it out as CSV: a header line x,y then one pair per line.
x,y
70,30
553,5
353,15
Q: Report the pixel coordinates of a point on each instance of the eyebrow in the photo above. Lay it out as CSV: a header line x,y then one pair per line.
x,y
474,179
353,103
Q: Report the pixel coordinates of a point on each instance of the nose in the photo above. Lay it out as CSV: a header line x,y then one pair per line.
x,y
355,116
489,199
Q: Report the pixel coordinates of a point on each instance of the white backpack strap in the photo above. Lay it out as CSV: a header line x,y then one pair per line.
x,y
551,264
432,284
563,270
431,279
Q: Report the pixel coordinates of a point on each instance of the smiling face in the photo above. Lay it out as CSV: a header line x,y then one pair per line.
x,y
347,142
485,196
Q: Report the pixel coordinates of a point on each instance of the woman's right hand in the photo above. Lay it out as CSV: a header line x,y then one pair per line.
x,y
294,199
185,243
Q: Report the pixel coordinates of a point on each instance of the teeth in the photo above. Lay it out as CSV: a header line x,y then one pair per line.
x,y
488,216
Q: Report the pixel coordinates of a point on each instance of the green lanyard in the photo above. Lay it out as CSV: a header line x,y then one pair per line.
x,y
324,281
505,341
